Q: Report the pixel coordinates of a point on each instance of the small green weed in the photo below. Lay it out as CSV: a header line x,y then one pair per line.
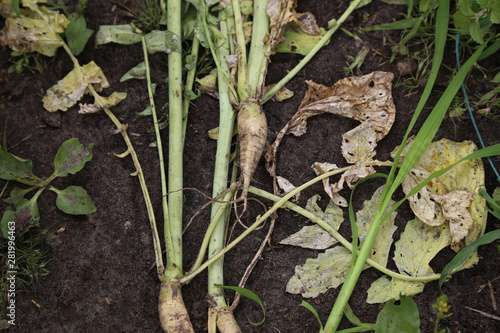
x,y
21,61
441,307
70,158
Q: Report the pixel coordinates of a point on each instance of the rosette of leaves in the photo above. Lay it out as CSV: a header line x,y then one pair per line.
x,y
70,158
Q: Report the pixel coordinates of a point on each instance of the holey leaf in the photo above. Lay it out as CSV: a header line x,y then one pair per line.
x,y
74,200
467,176
30,32
330,268
358,145
71,157
313,236
68,91
417,246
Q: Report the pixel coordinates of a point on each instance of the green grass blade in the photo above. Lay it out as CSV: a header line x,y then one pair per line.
x,y
463,255
314,312
248,294
442,20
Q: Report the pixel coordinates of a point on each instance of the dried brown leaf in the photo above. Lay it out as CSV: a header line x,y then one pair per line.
x,y
358,145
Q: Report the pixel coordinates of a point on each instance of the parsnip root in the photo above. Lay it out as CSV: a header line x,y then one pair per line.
x,y
174,317
252,128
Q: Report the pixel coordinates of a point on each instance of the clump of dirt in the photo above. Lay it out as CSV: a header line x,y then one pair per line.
x,y
101,276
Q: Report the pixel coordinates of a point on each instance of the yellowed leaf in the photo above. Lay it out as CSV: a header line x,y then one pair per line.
x,y
105,102
454,206
68,91
422,204
281,95
358,145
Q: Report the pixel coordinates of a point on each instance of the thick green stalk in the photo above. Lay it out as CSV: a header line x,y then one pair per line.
x,y
352,6
226,123
169,246
257,55
175,149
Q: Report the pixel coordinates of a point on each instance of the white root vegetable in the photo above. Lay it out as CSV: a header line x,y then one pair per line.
x,y
174,317
252,128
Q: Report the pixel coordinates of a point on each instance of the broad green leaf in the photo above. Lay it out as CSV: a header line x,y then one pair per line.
x,y
464,255
476,33
17,194
330,268
146,112
77,33
121,34
68,91
248,294
138,72
163,41
30,33
495,12
74,200
313,236
417,246
71,157
8,216
399,318
297,41
16,168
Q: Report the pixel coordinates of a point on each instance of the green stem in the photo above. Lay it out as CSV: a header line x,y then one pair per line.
x,y
257,55
242,52
352,6
226,124
168,240
173,229
191,75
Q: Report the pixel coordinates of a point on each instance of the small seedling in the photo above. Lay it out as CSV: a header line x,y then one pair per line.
x,y
441,307
70,158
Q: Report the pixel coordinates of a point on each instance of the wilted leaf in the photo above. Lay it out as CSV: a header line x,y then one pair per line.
x,y
68,91
103,102
313,236
329,269
74,200
298,41
121,34
454,206
163,41
358,145
208,84
466,176
415,249
30,33
360,98
287,187
422,204
281,95
71,157
138,72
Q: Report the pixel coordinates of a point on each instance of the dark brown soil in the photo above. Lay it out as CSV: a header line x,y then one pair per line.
x,y
100,268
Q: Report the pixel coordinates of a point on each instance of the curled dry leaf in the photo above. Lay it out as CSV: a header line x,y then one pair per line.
x,y
68,91
361,98
454,206
330,189
422,204
287,187
105,102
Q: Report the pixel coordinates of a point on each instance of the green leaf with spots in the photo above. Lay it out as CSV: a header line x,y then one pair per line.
x,y
71,157
27,212
74,200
